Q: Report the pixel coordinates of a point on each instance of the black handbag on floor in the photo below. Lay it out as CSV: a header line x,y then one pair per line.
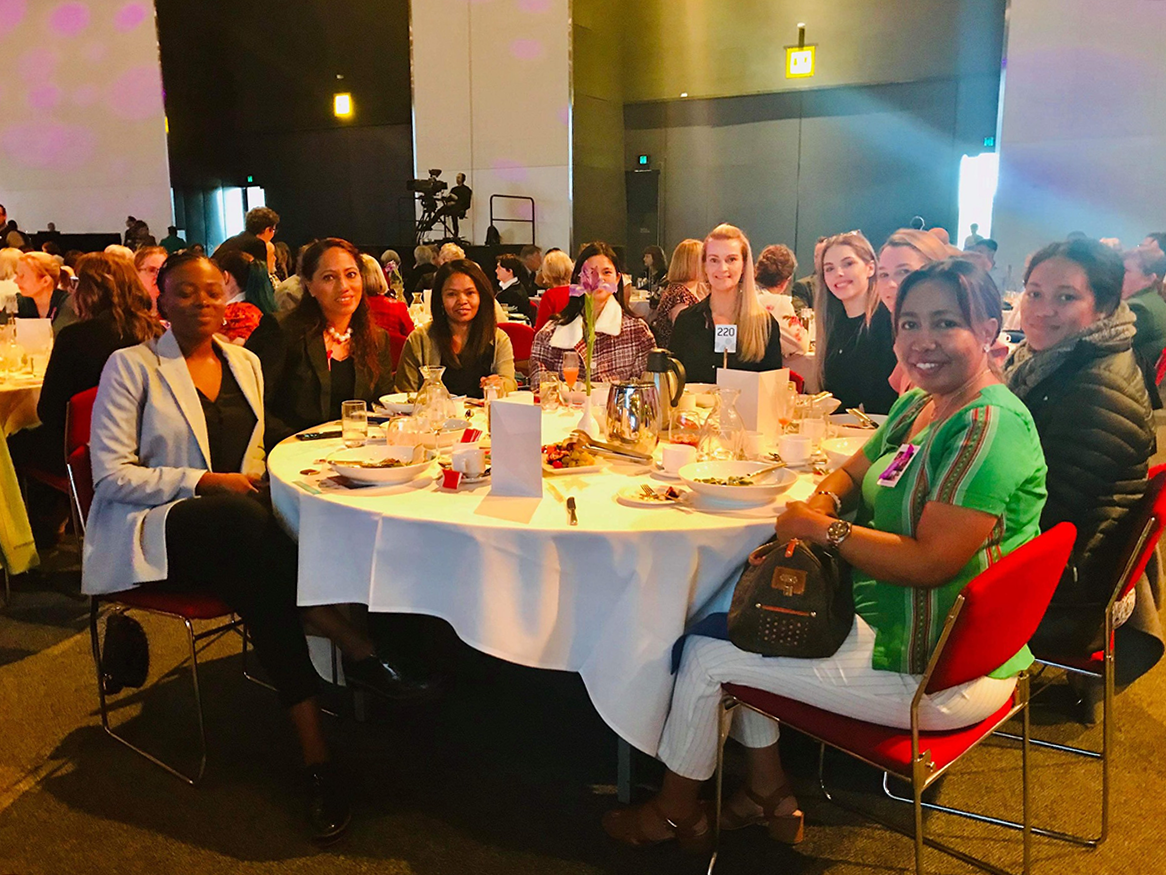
x,y
125,654
798,602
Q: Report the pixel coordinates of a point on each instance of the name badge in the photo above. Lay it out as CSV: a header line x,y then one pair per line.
x,y
894,471
724,338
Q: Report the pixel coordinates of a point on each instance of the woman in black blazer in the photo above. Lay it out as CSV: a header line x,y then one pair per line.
x,y
328,349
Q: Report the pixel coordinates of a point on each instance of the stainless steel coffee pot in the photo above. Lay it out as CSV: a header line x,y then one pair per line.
x,y
666,373
633,415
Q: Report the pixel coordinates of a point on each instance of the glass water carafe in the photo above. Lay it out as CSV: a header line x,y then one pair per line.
x,y
723,434
434,404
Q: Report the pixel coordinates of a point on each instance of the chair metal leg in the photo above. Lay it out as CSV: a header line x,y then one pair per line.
x,y
623,771
918,780
1026,839
192,780
724,722
7,588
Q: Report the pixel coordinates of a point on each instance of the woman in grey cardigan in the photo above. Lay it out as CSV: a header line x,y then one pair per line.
x,y
463,336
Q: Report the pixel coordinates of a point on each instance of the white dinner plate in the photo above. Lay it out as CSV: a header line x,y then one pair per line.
x,y
419,461
633,496
771,485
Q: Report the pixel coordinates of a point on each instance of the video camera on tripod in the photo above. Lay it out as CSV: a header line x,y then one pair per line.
x,y
434,209
427,190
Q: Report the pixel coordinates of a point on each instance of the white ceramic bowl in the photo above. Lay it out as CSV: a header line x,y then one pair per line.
x,y
703,392
450,435
397,403
771,485
418,461
848,426
839,449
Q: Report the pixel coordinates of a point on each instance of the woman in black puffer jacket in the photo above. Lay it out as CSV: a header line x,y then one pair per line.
x,y
1077,374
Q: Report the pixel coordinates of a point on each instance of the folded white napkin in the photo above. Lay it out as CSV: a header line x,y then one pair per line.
x,y
516,448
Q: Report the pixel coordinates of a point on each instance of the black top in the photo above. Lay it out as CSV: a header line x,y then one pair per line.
x,y
516,296
229,423
26,307
343,374
692,343
463,193
245,242
803,290
859,361
467,380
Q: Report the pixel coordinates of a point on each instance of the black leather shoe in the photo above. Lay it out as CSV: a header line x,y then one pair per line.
x,y
328,808
379,676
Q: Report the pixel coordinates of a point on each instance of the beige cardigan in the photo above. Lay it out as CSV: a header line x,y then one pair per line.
x,y
420,350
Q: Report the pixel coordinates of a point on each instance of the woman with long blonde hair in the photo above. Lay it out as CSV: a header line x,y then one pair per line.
x,y
907,250
683,289
855,349
727,270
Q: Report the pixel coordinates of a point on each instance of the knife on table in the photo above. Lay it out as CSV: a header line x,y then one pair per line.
x,y
574,520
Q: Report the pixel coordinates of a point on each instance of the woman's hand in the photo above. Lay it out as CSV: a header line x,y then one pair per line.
x,y
803,522
492,380
227,484
823,504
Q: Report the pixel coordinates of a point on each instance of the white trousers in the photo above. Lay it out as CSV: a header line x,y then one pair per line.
x,y
843,683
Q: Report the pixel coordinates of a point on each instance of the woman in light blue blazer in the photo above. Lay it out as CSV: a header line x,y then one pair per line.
x,y
178,467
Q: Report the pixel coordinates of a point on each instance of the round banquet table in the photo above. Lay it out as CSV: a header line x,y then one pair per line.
x,y
607,598
18,400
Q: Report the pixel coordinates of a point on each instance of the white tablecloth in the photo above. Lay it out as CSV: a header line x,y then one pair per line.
x,y
606,599
18,400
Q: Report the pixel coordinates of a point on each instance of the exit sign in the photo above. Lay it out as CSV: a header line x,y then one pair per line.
x,y
989,142
643,160
799,62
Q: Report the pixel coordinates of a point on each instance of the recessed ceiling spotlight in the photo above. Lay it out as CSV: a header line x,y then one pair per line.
x,y
684,94
801,24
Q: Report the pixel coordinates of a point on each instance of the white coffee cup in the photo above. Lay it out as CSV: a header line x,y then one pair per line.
x,y
469,460
795,449
752,445
673,457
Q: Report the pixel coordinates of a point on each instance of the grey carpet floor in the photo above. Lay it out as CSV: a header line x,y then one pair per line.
x,y
508,773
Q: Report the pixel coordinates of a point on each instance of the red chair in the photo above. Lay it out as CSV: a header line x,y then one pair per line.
x,y
187,607
521,338
552,301
798,380
990,621
1145,531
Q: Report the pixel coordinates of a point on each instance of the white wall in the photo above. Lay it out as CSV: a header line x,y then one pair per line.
x,y
1083,135
491,98
82,126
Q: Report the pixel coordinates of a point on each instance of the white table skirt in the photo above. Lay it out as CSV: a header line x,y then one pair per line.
x,y
18,400
607,598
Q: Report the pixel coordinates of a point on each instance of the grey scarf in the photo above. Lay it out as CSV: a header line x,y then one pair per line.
x,y
1027,368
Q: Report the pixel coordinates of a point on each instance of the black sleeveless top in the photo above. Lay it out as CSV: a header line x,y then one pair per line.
x,y
230,422
343,384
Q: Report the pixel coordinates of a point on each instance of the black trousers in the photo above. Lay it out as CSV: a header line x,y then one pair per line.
x,y
232,547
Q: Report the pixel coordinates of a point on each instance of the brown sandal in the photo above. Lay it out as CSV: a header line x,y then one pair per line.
x,y
623,825
786,828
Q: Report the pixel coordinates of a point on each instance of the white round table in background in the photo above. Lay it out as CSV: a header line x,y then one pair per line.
x,y
18,400
606,599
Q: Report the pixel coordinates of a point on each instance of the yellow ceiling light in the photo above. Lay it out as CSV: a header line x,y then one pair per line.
x,y
342,105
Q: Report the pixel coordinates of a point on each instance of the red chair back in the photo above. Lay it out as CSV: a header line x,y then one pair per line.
x,y
1002,608
79,419
798,380
521,338
553,300
1149,518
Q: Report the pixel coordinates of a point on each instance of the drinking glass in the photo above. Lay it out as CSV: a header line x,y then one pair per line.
x,y
570,369
549,389
354,423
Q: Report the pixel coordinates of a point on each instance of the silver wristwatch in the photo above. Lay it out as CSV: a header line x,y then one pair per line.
x,y
837,532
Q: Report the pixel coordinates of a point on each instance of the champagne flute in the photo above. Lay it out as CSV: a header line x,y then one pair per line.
x,y
570,369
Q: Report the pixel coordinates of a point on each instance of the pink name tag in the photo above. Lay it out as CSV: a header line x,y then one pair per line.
x,y
894,471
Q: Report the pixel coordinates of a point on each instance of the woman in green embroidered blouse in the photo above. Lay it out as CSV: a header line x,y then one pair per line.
x,y
951,482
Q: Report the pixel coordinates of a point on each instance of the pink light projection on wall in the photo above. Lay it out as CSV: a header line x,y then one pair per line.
x,y
136,94
44,97
38,64
11,14
86,95
47,143
510,171
130,16
527,49
69,19
536,7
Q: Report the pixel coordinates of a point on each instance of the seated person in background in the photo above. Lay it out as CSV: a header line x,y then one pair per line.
x,y
775,273
177,511
1142,291
973,493
147,261
532,259
37,276
513,285
683,289
259,227
328,350
391,268
289,292
463,337
250,297
622,341
558,268
423,268
855,344
655,270
727,264
114,312
1076,372
388,312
